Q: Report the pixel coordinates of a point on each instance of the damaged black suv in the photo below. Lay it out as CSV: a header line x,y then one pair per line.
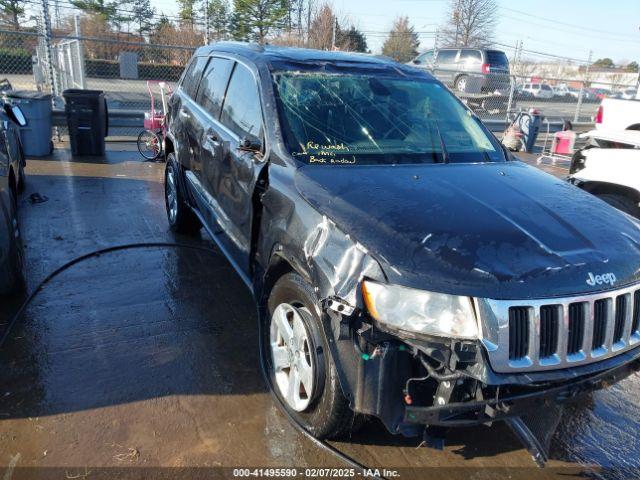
x,y
404,265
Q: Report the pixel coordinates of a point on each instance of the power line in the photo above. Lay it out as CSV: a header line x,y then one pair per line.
x,y
582,28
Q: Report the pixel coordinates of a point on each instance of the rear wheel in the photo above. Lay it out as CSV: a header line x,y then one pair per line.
x,y
149,144
300,366
461,83
181,218
625,204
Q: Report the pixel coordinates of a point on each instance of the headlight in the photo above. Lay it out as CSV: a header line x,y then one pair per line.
x,y
418,311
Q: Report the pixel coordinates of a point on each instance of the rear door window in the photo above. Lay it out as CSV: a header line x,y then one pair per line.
x,y
470,56
447,56
213,85
241,112
192,76
546,88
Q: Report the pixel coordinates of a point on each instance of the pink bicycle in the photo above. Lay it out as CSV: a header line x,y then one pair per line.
x,y
151,139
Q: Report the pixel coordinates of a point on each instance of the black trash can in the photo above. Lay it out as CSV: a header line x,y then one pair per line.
x,y
87,119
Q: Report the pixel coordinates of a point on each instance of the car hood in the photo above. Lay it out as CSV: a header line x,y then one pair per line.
x,y
495,230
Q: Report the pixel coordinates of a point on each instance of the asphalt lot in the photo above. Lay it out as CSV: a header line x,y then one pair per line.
x,y
147,357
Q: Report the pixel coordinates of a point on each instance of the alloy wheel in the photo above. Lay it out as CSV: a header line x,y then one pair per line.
x,y
292,358
172,195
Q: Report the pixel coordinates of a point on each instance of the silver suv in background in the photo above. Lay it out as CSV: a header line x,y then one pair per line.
x,y
454,67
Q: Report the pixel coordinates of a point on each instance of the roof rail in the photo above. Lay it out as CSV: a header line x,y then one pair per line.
x,y
250,45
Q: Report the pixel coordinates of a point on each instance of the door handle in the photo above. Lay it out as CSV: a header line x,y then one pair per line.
x,y
184,114
214,139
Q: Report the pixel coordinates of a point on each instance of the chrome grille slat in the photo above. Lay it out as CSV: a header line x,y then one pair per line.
x,y
494,318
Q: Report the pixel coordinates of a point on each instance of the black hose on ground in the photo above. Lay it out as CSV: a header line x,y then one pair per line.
x,y
321,444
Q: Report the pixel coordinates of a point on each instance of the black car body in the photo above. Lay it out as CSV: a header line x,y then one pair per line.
x,y
431,278
12,178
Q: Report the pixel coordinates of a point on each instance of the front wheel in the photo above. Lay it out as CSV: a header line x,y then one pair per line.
x,y
12,271
180,216
149,144
301,369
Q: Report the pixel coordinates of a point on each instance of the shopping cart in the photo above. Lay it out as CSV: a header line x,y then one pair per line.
x,y
562,146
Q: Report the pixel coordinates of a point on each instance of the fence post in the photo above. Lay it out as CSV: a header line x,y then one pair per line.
x,y
79,51
512,80
576,117
48,54
206,22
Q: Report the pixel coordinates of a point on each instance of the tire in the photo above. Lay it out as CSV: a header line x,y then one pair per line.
x,y
624,204
22,178
461,83
12,270
324,411
149,144
181,218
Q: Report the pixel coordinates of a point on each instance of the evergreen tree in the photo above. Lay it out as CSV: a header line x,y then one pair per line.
x,y
352,40
142,13
188,11
219,18
256,19
107,11
402,42
11,11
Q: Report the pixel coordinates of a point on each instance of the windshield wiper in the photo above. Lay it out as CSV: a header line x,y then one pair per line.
x,y
445,154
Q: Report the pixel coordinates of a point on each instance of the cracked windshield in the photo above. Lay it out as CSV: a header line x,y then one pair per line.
x,y
362,119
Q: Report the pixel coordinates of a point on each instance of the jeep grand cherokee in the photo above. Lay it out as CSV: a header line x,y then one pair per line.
x,y
404,265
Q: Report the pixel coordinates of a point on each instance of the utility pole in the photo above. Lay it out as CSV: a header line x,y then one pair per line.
x,y
48,57
513,78
456,20
582,87
333,34
79,51
206,22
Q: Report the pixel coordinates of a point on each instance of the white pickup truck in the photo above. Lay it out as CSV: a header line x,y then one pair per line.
x,y
609,168
619,114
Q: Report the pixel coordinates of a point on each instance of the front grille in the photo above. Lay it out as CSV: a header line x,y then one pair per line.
x,y
599,323
533,335
575,335
621,316
519,328
548,330
636,312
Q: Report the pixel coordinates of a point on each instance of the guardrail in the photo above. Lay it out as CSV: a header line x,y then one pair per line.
x,y
134,119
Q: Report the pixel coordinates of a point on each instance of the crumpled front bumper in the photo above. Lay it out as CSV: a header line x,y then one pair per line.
x,y
513,405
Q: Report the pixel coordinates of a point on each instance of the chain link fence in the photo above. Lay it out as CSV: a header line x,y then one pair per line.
x,y
80,51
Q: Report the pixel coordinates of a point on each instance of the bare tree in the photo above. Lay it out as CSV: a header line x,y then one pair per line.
x,y
471,23
402,42
321,28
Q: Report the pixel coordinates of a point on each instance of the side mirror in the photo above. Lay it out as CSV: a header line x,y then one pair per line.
x,y
248,144
15,114
415,61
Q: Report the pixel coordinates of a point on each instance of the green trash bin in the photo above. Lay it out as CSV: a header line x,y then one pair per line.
x,y
36,106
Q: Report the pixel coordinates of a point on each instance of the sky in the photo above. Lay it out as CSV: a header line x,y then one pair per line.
x,y
564,28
